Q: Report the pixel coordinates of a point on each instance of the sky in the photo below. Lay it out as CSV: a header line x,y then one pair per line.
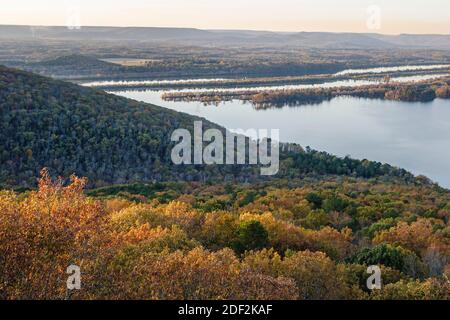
x,y
381,16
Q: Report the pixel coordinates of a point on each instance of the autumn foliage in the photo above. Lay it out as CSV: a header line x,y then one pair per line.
x,y
226,242
44,233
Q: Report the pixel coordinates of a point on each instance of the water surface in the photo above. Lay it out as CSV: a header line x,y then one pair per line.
x,y
392,69
414,136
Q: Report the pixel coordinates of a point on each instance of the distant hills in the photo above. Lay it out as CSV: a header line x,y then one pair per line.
x,y
73,61
73,65
113,140
230,37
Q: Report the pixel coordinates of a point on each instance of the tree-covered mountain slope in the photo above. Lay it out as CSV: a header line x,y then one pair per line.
x,y
113,140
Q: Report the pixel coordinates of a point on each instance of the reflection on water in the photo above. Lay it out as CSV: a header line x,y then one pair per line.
x,y
113,83
325,85
414,136
330,84
392,69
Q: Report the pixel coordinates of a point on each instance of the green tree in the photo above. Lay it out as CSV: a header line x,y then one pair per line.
x,y
314,199
395,257
251,235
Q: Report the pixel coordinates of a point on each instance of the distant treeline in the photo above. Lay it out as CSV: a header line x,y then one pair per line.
x,y
410,92
86,67
225,83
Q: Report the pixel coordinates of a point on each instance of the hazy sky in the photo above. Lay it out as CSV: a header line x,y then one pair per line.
x,y
383,16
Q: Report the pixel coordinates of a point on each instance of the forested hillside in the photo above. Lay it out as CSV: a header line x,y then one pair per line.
x,y
113,140
226,241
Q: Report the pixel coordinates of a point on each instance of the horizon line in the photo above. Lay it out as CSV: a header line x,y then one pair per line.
x,y
222,29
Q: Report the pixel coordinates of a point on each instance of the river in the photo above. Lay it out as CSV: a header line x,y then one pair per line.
x,y
414,136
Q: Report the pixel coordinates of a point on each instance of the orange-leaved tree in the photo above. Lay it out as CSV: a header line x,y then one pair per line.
x,y
44,233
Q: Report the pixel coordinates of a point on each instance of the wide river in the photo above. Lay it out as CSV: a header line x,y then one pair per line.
x,y
414,136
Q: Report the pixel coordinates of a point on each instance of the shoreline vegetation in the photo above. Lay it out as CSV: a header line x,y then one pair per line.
x,y
213,83
422,91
